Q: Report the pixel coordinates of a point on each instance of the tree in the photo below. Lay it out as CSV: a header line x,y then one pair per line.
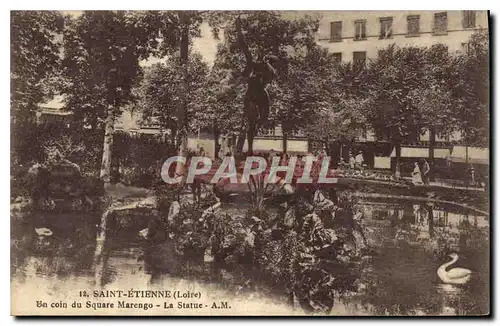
x,y
471,93
341,119
101,64
35,59
394,80
34,67
303,87
162,90
417,89
176,30
434,98
220,111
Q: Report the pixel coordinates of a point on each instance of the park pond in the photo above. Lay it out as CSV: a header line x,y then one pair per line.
x,y
396,276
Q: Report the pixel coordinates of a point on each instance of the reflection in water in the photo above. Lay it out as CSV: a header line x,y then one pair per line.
x,y
410,241
412,244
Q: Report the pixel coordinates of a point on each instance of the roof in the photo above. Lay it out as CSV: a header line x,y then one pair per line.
x,y
54,107
56,103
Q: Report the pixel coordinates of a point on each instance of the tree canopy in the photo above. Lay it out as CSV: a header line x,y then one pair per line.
x,y
162,87
35,57
101,63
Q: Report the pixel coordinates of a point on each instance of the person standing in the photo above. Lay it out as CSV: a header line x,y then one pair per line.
x,y
202,151
472,175
398,172
352,162
416,175
425,172
360,160
342,164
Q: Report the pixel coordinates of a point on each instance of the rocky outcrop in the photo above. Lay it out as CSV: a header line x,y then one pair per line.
x,y
57,187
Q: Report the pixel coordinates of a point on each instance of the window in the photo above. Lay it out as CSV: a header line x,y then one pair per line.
x,y
338,57
466,47
386,27
413,25
359,58
269,132
360,29
336,31
440,23
469,19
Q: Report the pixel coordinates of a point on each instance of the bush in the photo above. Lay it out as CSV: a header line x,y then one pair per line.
x,y
140,159
306,259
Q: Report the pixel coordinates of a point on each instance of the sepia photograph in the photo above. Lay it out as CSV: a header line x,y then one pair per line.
x,y
250,163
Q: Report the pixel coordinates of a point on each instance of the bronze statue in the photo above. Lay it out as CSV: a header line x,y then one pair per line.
x,y
258,75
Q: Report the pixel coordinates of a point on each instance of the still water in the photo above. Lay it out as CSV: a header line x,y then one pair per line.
x,y
399,278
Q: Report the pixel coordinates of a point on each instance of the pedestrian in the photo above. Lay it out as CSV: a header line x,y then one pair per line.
x,y
416,175
343,164
359,160
398,172
352,161
472,175
201,151
425,172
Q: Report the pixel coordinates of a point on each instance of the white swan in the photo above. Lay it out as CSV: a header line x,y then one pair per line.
x,y
454,275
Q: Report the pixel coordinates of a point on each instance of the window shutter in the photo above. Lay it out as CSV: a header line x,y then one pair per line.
x,y
335,31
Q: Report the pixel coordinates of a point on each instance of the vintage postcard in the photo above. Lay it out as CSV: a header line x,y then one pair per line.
x,y
250,163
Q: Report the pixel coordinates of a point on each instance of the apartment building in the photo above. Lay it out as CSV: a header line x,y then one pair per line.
x,y
355,36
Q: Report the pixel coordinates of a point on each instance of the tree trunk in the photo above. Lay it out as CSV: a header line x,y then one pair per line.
x,y
430,219
250,137
182,114
173,136
397,146
285,140
108,145
467,155
240,142
432,145
217,145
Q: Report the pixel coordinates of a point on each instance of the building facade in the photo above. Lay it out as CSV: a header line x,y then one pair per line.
x,y
359,35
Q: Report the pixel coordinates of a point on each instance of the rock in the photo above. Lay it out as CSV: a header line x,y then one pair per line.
x,y
208,257
321,202
65,168
43,232
149,202
289,219
249,237
35,168
173,211
144,233
21,205
210,210
256,220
